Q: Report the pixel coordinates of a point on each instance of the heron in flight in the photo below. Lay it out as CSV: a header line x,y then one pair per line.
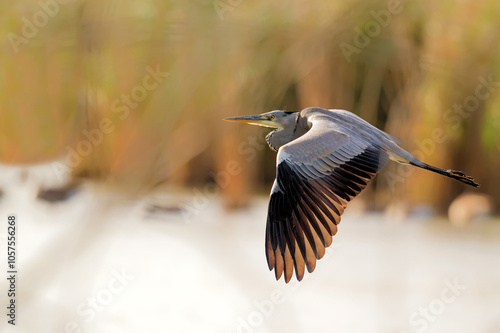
x,y
325,158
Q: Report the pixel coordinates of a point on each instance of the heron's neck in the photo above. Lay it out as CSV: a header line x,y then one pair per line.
x,y
276,139
282,136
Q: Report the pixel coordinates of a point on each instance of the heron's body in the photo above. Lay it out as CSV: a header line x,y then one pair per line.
x,y
325,158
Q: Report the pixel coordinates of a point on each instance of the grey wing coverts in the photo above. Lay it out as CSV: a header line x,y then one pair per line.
x,y
317,175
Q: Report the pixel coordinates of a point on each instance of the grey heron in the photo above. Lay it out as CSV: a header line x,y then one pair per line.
x,y
325,158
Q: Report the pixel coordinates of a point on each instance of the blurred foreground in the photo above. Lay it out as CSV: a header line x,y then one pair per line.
x,y
104,262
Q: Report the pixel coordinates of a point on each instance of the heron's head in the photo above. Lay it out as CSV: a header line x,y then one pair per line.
x,y
274,119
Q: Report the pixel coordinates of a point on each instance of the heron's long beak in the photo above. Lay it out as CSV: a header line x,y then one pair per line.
x,y
260,120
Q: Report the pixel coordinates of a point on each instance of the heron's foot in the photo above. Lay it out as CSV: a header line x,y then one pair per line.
x,y
459,175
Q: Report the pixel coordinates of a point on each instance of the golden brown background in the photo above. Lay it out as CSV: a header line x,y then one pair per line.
x,y
248,57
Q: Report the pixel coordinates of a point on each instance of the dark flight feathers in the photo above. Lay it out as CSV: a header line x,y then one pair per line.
x,y
307,203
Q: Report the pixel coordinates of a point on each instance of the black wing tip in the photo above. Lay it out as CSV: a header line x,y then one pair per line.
x,y
269,265
286,281
298,276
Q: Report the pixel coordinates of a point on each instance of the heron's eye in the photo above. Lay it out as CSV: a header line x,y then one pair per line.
x,y
271,117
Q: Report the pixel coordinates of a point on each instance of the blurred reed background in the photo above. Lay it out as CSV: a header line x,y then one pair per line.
x,y
67,67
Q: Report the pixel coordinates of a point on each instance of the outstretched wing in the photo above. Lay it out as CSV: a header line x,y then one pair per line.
x,y
317,175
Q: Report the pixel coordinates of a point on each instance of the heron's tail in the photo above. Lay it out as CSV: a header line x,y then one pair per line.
x,y
458,175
